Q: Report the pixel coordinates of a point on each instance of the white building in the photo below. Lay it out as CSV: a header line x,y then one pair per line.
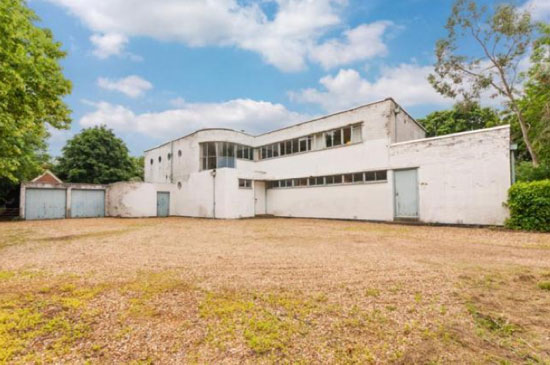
x,y
371,163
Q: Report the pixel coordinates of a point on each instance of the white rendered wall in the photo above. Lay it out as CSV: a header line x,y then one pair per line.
x,y
136,199
370,201
463,178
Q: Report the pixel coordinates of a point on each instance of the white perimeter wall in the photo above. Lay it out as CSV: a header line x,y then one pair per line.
x,y
463,178
136,199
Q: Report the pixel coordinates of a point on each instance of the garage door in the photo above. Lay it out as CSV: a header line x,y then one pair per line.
x,y
45,203
87,203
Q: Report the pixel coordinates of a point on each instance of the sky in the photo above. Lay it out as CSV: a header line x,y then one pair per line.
x,y
156,70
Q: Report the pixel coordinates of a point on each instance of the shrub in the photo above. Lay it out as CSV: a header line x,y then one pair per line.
x,y
529,204
544,285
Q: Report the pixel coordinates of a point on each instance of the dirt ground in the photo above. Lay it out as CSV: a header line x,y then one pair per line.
x,y
181,290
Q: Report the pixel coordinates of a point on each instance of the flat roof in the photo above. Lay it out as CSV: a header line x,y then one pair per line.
x,y
290,126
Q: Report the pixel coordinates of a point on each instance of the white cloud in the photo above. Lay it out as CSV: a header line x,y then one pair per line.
x,y
132,86
109,44
360,43
177,102
240,114
285,39
406,83
539,9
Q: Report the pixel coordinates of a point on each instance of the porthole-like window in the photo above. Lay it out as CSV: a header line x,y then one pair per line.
x,y
179,185
169,156
179,153
160,158
151,161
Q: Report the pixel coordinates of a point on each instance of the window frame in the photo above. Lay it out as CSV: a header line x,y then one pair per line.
x,y
245,183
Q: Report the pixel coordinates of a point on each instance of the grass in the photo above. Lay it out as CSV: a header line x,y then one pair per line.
x,y
270,291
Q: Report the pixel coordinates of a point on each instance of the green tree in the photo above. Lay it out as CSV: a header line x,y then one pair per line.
x,y
535,104
32,86
481,53
95,155
138,168
460,118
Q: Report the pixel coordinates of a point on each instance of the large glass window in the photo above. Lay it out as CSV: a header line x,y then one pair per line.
x,y
217,155
208,155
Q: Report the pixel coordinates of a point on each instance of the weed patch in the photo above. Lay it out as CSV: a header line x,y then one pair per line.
x,y
494,324
37,324
265,323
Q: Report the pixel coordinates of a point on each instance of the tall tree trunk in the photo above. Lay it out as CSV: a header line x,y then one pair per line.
x,y
525,135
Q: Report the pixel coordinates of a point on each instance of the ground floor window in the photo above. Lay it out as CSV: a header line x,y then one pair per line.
x,y
245,184
354,178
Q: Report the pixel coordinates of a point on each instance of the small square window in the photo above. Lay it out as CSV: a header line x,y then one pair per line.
x,y
381,175
320,180
329,180
370,176
358,177
348,178
337,179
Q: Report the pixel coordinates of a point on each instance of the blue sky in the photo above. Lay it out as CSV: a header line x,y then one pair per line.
x,y
156,70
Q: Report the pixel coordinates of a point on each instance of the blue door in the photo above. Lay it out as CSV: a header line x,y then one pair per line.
x,y
45,203
406,193
87,203
163,204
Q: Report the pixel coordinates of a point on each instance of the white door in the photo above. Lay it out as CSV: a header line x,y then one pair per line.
x,y
259,197
406,193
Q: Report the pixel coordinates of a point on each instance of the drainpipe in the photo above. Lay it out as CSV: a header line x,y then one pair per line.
x,y
213,173
513,148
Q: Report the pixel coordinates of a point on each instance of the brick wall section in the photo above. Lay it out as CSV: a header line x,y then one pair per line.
x,y
47,179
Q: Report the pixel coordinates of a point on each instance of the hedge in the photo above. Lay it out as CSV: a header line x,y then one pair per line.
x,y
529,204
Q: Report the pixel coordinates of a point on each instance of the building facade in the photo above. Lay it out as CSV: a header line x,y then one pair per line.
x,y
370,163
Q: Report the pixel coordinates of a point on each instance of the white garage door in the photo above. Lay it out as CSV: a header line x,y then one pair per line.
x,y
87,203
45,203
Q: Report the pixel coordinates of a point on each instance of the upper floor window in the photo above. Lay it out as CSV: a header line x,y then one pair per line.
x,y
245,152
335,137
217,155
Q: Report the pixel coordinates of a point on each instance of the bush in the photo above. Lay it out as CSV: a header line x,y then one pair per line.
x,y
525,171
529,204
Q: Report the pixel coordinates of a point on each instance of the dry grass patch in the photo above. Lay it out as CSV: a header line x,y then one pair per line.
x,y
270,291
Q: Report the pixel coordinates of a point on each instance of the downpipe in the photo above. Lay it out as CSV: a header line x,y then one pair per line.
x,y
213,173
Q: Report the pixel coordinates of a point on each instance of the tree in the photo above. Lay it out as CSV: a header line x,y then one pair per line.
x,y
461,118
95,155
138,168
32,86
501,41
535,104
